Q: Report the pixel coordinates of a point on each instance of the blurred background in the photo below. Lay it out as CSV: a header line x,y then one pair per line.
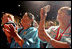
x,y
18,8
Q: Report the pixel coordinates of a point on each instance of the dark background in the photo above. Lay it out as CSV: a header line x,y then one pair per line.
x,y
20,7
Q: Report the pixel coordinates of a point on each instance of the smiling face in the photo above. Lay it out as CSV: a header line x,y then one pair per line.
x,y
60,16
26,21
4,19
7,17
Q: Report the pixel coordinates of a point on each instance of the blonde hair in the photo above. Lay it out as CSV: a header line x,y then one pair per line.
x,y
10,16
66,9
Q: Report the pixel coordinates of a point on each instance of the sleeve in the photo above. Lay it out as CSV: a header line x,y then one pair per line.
x,y
49,32
19,29
32,38
31,34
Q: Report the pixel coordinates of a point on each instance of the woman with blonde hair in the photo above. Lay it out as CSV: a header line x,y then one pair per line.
x,y
57,36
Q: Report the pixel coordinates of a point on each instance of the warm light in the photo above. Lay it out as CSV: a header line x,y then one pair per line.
x,y
19,5
37,2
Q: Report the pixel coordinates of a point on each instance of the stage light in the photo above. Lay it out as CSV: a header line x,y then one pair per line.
x,y
19,5
3,12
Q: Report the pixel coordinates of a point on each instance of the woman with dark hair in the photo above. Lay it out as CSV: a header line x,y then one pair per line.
x,y
25,37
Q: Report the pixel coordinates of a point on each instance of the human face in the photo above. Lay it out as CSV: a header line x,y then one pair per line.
x,y
5,19
61,16
26,21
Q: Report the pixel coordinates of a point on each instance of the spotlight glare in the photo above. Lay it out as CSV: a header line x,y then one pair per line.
x,y
19,5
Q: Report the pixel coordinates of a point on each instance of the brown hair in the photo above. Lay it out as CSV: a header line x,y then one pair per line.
x,y
67,10
9,16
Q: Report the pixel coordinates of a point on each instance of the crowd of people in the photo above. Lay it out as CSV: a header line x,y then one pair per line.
x,y
31,34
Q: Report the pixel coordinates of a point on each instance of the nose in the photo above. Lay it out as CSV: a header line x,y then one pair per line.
x,y
57,16
26,13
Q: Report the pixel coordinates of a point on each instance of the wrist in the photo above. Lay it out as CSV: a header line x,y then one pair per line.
x,y
17,37
19,40
50,40
15,34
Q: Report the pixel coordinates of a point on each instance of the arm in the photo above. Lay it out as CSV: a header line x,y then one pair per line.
x,y
9,39
59,44
55,43
44,35
19,40
41,27
7,34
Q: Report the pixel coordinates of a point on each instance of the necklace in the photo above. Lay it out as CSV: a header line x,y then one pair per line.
x,y
59,35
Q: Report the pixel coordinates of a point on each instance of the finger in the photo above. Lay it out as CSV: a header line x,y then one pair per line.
x,y
45,15
26,14
16,27
41,12
7,32
6,26
3,29
11,27
22,20
41,9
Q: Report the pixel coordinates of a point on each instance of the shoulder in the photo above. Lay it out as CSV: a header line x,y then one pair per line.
x,y
33,29
54,27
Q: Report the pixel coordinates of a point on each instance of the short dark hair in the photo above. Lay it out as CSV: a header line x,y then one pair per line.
x,y
31,16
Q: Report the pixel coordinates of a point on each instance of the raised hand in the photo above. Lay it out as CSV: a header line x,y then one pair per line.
x,y
46,8
41,29
9,30
6,30
42,14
